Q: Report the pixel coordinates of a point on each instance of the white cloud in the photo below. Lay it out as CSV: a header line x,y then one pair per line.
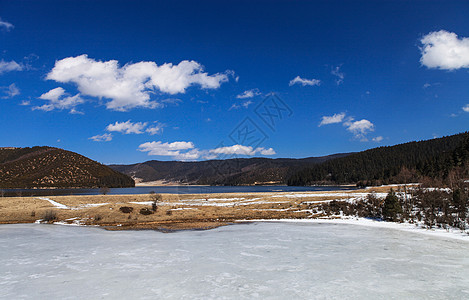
x,y
8,66
58,99
187,150
444,50
6,25
130,86
304,82
107,137
340,75
249,94
359,128
10,91
246,104
269,151
377,139
427,85
336,118
127,127
466,108
242,150
166,149
155,129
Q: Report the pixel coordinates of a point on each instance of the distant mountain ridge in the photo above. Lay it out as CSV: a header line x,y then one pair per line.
x,y
53,167
239,171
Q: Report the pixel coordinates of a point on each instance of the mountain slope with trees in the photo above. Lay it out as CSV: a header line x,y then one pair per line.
x,y
393,164
53,167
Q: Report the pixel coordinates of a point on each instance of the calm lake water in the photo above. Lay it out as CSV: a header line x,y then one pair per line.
x,y
172,190
246,261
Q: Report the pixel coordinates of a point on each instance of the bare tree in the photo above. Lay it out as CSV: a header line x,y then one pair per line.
x,y
155,198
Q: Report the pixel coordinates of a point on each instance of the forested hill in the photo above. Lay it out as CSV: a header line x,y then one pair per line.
x,y
240,171
393,164
54,167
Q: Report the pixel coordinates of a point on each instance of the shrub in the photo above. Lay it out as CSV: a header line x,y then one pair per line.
x,y
49,216
126,209
146,211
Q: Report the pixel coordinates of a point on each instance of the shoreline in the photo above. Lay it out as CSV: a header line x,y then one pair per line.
x,y
176,212
454,234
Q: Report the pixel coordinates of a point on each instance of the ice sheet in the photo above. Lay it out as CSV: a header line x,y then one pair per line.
x,y
256,260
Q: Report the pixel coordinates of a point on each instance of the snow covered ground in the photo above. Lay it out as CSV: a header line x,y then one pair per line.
x,y
256,260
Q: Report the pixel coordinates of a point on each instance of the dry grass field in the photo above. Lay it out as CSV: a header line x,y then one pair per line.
x,y
174,212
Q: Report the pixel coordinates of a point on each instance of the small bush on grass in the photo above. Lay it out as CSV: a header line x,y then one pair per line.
x,y
146,211
126,209
49,216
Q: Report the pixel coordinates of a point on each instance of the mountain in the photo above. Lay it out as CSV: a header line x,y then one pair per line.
x,y
393,164
54,167
240,171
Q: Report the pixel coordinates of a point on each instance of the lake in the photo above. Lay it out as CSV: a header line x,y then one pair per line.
x,y
186,189
258,260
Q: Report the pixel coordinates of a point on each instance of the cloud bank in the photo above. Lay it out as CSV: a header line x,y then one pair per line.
x,y
444,50
187,151
131,85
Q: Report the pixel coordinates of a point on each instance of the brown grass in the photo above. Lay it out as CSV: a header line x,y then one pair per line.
x,y
175,212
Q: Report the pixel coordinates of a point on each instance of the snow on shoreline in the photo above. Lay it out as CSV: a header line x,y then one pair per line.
x,y
452,233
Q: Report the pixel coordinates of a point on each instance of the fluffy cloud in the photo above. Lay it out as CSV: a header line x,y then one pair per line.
x,y
444,50
130,86
127,127
339,74
130,127
359,128
6,25
107,137
304,82
165,149
60,100
10,91
249,94
336,118
377,139
242,150
466,108
8,66
187,150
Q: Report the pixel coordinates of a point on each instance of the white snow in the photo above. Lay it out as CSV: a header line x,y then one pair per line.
x,y
56,204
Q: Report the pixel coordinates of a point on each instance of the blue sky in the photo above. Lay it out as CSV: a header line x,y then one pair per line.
x,y
130,81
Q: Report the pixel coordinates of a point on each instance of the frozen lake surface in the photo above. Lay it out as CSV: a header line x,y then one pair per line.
x,y
258,260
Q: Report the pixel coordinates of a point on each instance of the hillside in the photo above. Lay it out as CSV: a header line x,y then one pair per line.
x,y
393,164
241,171
54,167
